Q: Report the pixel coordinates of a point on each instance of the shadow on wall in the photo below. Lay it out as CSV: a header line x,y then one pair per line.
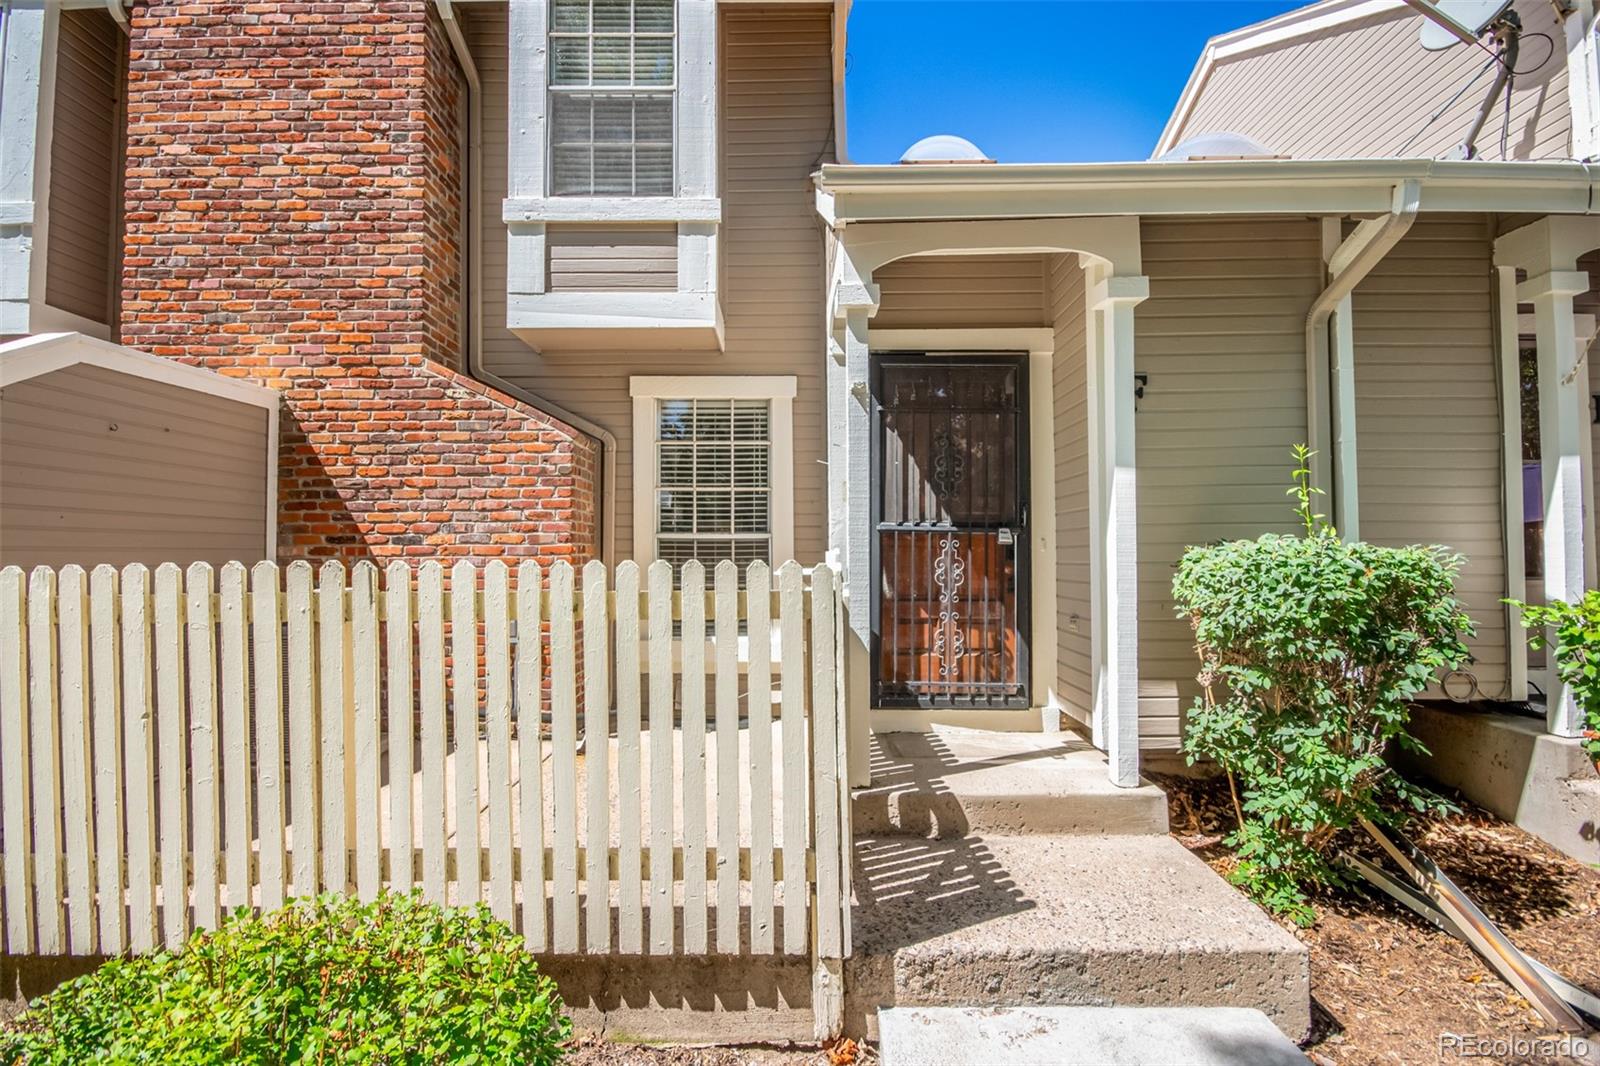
x,y
315,522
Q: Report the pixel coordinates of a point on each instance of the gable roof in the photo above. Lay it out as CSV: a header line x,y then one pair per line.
x,y
46,353
1293,25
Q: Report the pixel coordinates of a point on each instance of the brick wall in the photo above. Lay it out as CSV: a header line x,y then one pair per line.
x,y
294,216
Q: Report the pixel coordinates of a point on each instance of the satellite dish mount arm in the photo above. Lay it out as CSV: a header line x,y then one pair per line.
x,y
1507,30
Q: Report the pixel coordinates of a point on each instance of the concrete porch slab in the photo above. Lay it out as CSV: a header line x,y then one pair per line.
x,y
950,781
1072,920
1082,1036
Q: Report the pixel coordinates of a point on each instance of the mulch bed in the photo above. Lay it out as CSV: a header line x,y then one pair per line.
x,y
1385,985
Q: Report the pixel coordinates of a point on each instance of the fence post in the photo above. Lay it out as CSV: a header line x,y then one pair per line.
x,y
827,977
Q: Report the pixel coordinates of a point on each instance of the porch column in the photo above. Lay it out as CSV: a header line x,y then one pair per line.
x,y
1547,250
1561,448
855,301
1112,301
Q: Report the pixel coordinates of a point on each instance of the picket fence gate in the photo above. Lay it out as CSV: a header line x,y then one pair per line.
x,y
173,749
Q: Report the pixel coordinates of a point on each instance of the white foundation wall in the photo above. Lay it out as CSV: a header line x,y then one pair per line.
x,y
1222,339
1428,416
1069,393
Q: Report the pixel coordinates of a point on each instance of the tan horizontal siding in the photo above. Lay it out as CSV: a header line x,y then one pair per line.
x,y
777,125
84,160
1367,88
612,258
1428,415
1222,340
1070,393
102,467
961,292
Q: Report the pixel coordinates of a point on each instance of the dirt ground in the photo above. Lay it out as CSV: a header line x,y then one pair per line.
x,y
1385,985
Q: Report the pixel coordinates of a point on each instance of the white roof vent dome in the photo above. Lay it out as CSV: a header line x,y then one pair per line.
x,y
944,148
1219,145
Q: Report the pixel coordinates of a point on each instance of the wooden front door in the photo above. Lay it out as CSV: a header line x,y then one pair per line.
x,y
950,512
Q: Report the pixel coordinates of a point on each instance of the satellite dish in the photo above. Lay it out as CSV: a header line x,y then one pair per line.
x,y
1453,22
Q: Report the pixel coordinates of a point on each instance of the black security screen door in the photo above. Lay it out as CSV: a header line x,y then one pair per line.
x,y
950,509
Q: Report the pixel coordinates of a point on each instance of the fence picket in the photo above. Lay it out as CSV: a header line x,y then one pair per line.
x,y
596,757
16,806
630,797
430,655
464,708
693,716
234,630
138,740
304,813
77,797
792,660
825,768
758,579
530,754
564,757
45,759
365,738
172,762
205,799
662,779
334,720
401,723
497,702
727,701
106,688
267,652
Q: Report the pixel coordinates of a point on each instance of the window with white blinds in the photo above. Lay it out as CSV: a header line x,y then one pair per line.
x,y
714,485
612,85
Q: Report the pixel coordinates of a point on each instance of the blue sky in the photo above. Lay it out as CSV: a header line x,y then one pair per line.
x,y
1027,80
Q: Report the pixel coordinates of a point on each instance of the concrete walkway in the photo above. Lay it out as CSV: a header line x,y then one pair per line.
x,y
1082,1036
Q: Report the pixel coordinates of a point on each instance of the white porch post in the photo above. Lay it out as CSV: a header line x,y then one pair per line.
x,y
1114,300
1510,371
855,301
1561,422
1548,251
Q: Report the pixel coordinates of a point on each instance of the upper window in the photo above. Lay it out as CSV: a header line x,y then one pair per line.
x,y
611,97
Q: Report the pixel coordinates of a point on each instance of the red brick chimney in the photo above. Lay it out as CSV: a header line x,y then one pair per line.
x,y
294,194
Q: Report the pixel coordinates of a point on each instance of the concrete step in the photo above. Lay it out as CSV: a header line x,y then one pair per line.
x,y
1063,920
950,782
1082,1036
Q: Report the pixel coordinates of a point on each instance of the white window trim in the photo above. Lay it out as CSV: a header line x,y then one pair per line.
x,y
694,205
778,390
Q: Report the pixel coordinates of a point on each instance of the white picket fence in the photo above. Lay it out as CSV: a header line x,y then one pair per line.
x,y
175,748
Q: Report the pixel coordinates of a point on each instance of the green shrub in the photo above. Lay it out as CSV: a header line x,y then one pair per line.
x,y
328,980
1577,651
1310,649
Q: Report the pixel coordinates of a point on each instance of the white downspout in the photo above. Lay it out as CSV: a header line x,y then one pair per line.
x,y
474,289
1347,267
118,15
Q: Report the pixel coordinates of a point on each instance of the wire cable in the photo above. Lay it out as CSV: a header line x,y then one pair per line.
x,y
1447,106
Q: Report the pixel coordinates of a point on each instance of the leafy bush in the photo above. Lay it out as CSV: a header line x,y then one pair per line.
x,y
327,980
1310,649
1577,650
